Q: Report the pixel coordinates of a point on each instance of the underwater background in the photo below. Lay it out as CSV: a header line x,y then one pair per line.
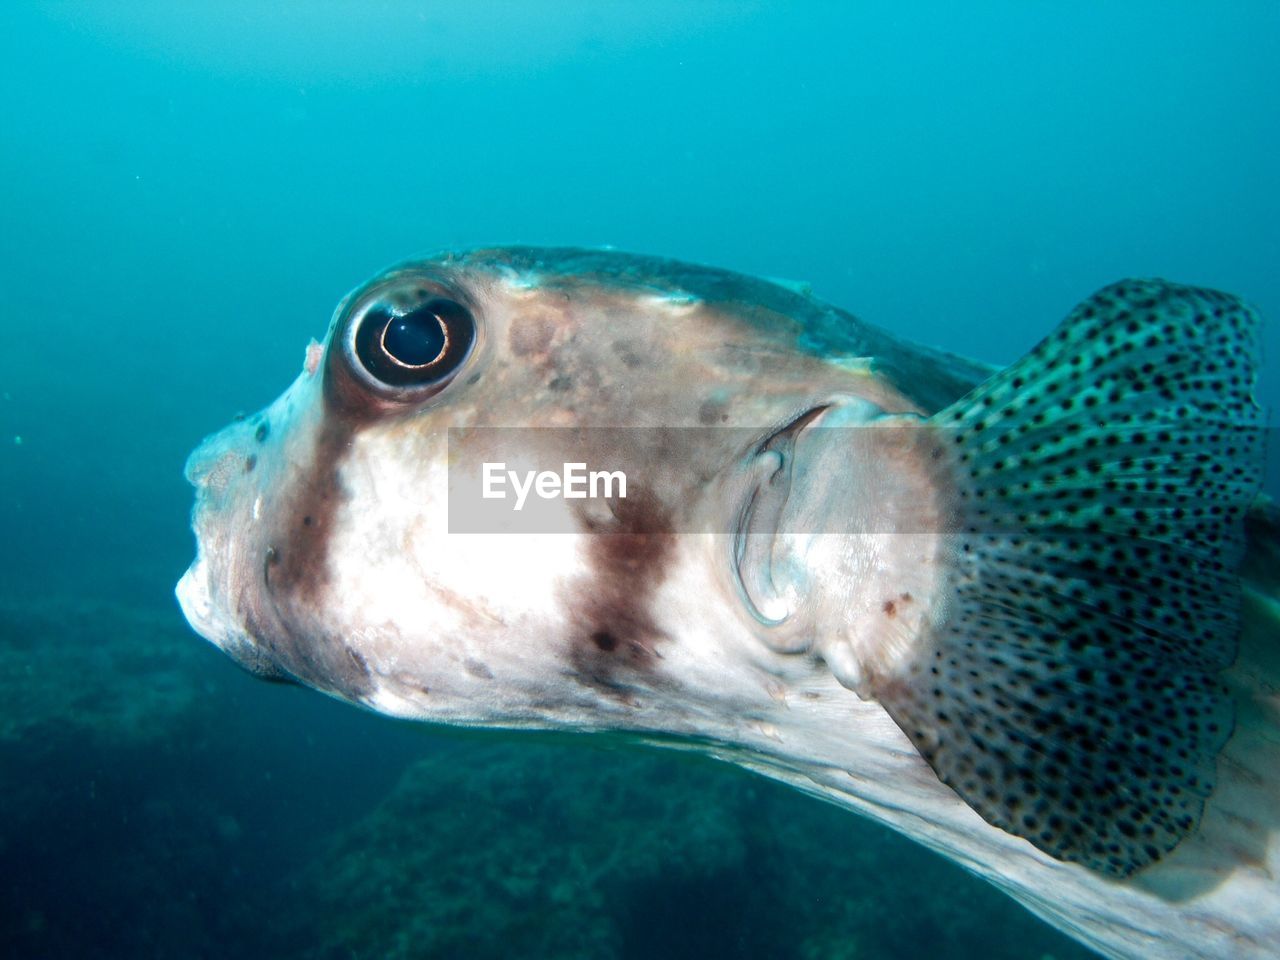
x,y
186,191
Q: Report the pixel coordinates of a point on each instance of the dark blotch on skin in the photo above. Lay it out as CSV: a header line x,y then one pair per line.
x,y
712,412
531,335
263,431
615,638
627,354
890,607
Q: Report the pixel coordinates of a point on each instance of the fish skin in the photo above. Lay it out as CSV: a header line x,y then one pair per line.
x,y
323,559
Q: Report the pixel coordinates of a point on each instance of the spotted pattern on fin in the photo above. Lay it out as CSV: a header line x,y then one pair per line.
x,y
1070,696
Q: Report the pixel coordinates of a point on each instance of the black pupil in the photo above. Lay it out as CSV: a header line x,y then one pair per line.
x,y
424,347
415,339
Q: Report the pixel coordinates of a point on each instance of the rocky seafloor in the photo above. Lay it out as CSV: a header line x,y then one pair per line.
x,y
154,802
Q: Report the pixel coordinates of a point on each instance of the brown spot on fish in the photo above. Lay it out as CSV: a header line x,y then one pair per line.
x,y
890,607
531,334
477,669
615,637
627,354
712,411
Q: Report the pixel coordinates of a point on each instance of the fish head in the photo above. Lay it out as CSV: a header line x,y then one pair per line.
x,y
345,541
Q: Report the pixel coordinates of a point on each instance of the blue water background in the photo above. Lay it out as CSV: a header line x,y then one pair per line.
x,y
186,190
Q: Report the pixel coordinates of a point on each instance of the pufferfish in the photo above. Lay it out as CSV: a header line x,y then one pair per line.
x,y
1027,616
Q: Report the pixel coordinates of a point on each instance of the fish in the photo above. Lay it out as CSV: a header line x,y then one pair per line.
x,y
1027,616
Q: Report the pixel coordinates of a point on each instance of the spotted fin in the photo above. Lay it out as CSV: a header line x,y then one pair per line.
x,y
1070,694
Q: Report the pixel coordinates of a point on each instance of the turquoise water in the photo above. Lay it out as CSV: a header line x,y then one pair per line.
x,y
185,193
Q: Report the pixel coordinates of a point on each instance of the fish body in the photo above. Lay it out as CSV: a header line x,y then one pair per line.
x,y
1000,611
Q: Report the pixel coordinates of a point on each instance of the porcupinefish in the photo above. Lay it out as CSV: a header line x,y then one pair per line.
x,y
1009,613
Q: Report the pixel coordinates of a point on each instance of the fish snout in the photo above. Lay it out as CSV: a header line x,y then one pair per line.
x,y
215,464
225,471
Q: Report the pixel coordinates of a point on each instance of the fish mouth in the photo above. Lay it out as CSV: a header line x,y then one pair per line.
x,y
771,594
205,614
209,617
192,592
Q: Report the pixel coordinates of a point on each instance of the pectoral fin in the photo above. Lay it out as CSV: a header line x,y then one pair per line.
x,y
1071,693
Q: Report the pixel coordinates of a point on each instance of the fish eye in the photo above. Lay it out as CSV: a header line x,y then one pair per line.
x,y
423,345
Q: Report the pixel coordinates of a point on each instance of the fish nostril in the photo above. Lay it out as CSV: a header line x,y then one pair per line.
x,y
225,455
213,469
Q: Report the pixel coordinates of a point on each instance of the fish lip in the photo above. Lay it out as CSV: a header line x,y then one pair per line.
x,y
195,599
206,618
194,606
